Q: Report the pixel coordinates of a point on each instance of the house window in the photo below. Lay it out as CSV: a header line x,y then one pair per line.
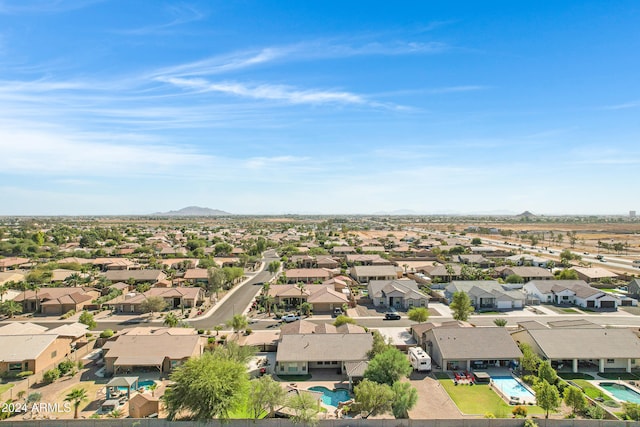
x,y
320,363
304,367
281,368
633,361
611,361
334,362
15,367
54,353
565,297
292,368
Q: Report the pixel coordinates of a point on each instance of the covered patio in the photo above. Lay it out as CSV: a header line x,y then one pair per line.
x,y
114,385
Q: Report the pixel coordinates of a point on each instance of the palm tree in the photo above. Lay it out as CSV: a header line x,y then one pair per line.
x,y
76,396
302,288
3,290
10,308
268,303
153,388
35,287
171,320
238,323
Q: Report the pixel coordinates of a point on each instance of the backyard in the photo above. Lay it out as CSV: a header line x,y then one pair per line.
x,y
481,399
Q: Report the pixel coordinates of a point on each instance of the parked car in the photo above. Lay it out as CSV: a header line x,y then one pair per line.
x,y
337,312
392,315
288,318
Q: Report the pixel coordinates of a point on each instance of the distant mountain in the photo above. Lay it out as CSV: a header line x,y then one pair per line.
x,y
194,211
526,214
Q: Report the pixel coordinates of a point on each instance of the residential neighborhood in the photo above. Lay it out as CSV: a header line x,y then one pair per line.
x,y
314,307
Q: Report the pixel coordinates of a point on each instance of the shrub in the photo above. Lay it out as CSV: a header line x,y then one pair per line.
x,y
68,314
107,333
211,340
51,375
200,331
248,331
530,379
530,423
24,374
489,415
519,412
65,366
595,412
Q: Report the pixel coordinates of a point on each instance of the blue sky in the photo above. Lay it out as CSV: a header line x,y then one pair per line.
x,y
120,107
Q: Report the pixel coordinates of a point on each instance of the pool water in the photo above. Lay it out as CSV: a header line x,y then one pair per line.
x,y
621,392
330,397
141,384
511,387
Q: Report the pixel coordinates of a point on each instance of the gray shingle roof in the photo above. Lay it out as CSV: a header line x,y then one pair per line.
x,y
583,343
324,347
475,343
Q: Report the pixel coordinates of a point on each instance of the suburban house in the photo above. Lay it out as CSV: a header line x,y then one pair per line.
x,y
418,330
185,297
605,349
160,349
528,260
11,276
439,273
30,347
299,353
305,327
366,273
576,292
527,273
594,274
115,264
457,348
633,288
487,294
366,259
196,276
343,250
138,276
324,298
57,301
308,275
476,260
12,263
373,249
397,293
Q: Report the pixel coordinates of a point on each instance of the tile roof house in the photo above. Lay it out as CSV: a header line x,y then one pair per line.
x,y
139,276
367,259
527,259
306,327
57,301
527,273
35,348
186,297
308,275
594,274
487,294
12,263
452,347
605,349
397,293
157,349
299,353
576,292
366,273
323,298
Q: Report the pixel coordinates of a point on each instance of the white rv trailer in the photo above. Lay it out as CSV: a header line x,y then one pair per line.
x,y
420,360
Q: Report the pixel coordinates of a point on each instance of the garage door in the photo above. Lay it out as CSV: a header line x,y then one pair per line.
x,y
607,304
626,302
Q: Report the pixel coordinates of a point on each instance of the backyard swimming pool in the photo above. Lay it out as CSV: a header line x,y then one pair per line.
x,y
511,387
141,384
621,392
331,397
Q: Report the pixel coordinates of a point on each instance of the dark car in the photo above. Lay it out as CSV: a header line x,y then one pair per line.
x,y
391,315
337,312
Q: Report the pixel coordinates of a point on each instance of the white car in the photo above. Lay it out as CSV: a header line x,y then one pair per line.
x,y
290,318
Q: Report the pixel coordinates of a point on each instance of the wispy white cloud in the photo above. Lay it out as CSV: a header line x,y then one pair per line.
x,y
181,14
276,161
268,92
16,7
624,106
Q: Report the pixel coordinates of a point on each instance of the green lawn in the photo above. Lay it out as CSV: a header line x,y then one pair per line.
x,y
5,387
618,375
293,378
574,376
480,399
569,310
588,388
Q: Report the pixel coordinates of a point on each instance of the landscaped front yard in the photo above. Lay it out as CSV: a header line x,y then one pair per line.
x,y
481,399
